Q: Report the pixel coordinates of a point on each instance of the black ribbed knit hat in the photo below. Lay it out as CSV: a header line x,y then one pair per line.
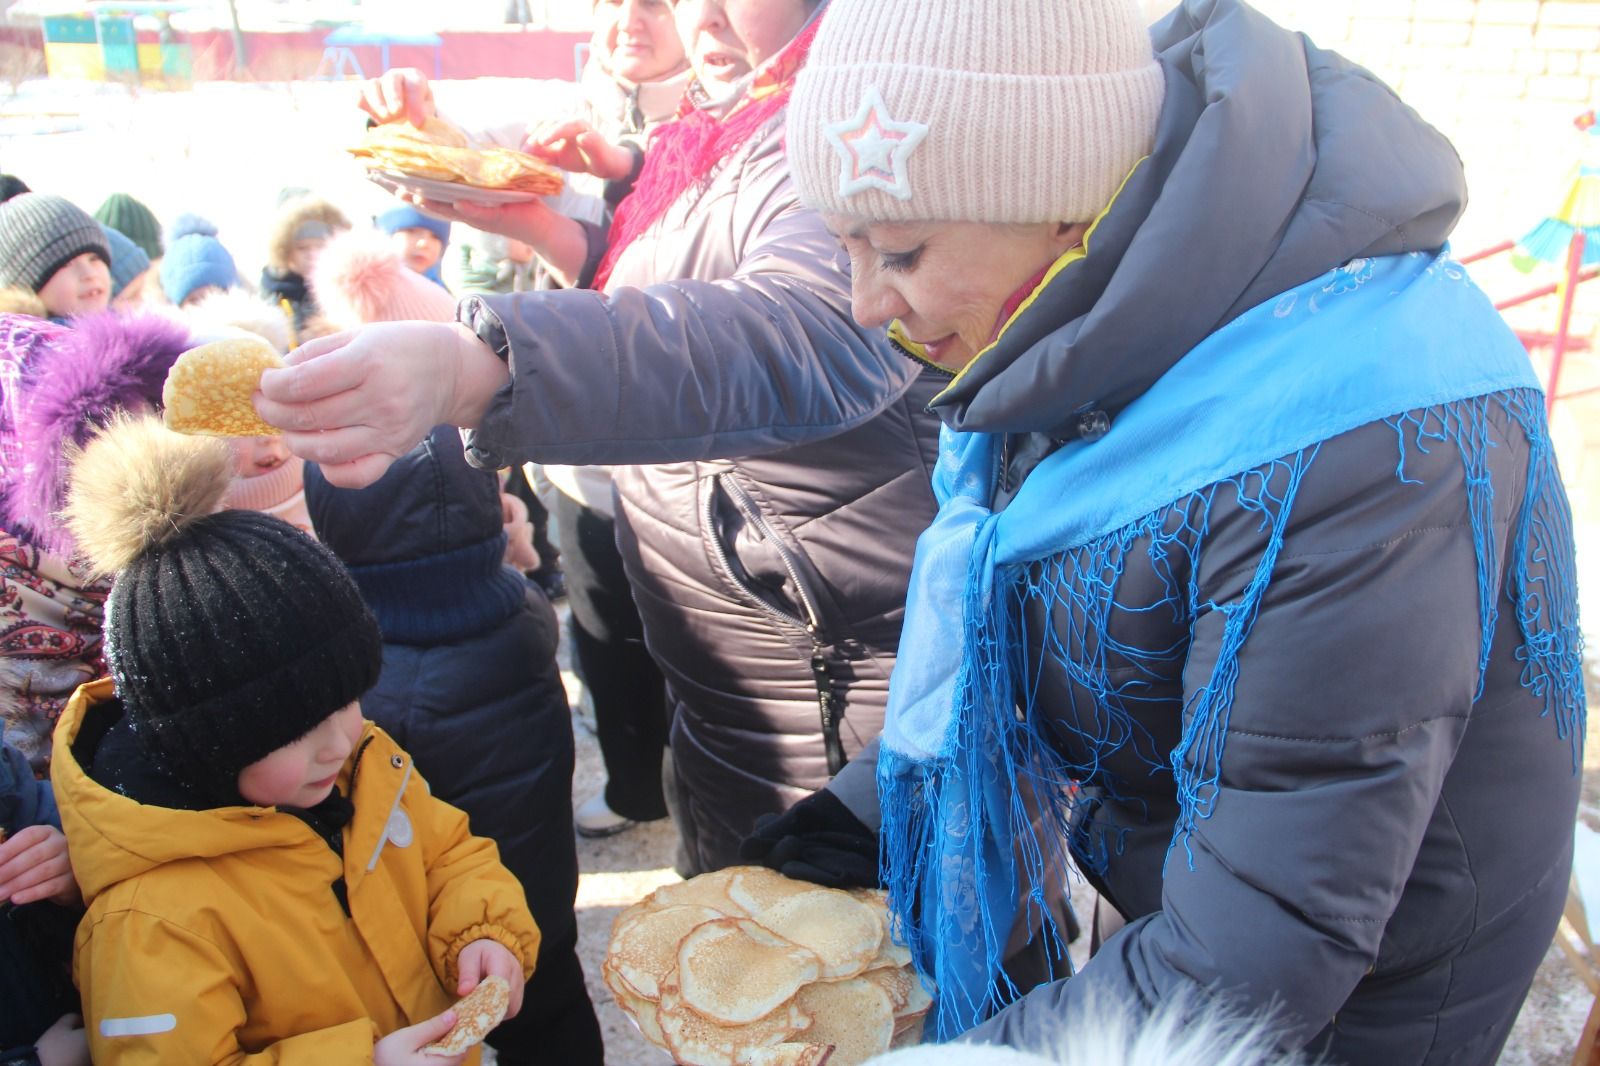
x,y
39,234
230,634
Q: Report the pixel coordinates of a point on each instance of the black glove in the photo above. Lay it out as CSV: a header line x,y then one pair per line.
x,y
816,840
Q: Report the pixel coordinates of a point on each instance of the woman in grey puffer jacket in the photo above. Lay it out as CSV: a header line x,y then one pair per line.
x,y
770,540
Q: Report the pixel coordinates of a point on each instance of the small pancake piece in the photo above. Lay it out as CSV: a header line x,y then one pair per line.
x,y
478,1012
208,389
696,1040
855,1016
733,972
844,934
645,950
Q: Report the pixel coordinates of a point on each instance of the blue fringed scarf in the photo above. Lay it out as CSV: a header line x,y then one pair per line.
x,y
967,771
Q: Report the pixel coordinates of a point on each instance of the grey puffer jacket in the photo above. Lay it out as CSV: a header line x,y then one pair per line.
x,y
1388,851
770,543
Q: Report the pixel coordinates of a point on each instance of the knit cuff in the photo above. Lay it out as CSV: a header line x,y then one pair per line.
x,y
595,236
477,316
527,954
617,189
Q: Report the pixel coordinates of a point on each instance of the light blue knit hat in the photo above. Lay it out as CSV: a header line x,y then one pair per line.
x,y
195,259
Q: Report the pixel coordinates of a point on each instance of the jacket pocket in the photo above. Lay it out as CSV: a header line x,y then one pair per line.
x,y
728,513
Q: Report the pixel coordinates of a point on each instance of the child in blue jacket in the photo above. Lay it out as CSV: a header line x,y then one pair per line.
x,y
39,905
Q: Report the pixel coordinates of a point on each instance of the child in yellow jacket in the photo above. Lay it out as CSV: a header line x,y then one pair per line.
x,y
268,879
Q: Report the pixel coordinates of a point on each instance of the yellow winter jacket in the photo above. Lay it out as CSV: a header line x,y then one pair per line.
x,y
216,936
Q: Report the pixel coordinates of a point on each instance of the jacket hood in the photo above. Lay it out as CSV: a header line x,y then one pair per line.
x,y
424,543
429,502
1275,161
291,216
115,838
58,384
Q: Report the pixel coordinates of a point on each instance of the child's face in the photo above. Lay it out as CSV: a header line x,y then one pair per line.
x,y
81,287
419,247
303,254
255,456
132,293
302,774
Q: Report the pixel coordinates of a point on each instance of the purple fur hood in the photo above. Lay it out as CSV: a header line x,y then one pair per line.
x,y
57,385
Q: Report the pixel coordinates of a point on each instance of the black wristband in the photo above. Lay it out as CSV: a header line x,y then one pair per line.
x,y
20,1056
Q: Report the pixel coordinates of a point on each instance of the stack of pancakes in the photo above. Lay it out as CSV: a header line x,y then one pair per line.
x,y
745,967
440,151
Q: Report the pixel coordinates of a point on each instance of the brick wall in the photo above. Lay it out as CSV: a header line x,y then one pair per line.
x,y
1502,78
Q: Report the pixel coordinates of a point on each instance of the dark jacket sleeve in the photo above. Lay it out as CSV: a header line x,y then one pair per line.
x,y
1354,690
856,786
762,360
24,800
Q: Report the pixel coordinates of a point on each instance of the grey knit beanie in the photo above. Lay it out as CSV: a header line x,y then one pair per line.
x,y
41,233
973,110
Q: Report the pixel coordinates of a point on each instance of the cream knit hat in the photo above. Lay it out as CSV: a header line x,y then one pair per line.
x,y
973,110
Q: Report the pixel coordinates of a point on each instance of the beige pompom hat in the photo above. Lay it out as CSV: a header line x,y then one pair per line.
x,y
973,110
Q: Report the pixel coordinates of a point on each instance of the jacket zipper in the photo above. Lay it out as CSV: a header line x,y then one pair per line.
x,y
920,361
827,703
341,890
355,767
1003,474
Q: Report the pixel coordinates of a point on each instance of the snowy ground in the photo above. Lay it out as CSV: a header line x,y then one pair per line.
x,y
225,151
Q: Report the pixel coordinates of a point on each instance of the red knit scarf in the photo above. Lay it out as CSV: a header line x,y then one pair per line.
x,y
685,150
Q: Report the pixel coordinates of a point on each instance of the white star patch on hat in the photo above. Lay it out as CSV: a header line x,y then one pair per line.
x,y
873,148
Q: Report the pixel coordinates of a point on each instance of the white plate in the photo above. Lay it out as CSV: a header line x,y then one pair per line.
x,y
448,192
